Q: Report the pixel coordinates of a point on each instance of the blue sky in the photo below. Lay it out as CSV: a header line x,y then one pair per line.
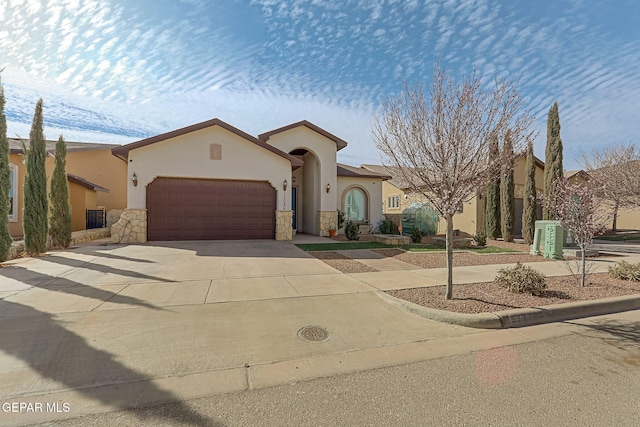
x,y
121,70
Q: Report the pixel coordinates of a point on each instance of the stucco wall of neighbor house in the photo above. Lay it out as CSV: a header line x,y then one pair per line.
x,y
628,219
188,156
80,198
389,190
373,189
323,148
102,168
97,166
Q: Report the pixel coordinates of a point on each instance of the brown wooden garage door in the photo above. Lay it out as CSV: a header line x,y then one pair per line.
x,y
210,209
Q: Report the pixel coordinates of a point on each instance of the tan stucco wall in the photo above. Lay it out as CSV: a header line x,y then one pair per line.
x,y
372,187
97,166
325,151
628,219
81,198
189,156
102,168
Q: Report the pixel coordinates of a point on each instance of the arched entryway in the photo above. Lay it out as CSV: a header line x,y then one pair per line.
x,y
305,191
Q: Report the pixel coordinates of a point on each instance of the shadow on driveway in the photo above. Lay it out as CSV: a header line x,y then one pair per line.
x,y
58,354
101,268
39,280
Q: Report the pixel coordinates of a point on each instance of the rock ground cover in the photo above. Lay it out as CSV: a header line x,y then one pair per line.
x,y
489,297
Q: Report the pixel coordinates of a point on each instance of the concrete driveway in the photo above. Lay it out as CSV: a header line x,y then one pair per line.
x,y
111,327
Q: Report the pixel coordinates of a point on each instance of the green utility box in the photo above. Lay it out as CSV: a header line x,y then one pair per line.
x,y
553,238
551,235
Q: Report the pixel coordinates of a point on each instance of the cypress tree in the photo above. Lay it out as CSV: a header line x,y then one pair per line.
x,y
492,211
5,183
34,217
60,210
552,157
529,200
507,196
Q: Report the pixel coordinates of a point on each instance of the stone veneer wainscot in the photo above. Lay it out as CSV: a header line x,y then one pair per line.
x,y
284,229
327,220
131,227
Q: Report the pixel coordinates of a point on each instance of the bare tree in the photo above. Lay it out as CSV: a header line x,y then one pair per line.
x,y
440,141
579,208
617,168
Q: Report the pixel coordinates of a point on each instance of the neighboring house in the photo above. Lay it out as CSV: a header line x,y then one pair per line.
x,y
96,180
397,196
213,181
627,218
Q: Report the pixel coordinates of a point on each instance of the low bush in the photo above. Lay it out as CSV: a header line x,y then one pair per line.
x,y
480,238
625,271
387,226
416,235
521,279
352,231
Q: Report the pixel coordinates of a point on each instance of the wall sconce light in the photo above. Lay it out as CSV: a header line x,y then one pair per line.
x,y
284,184
328,187
293,179
134,179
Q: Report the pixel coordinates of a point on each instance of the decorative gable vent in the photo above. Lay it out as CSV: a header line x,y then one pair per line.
x,y
215,152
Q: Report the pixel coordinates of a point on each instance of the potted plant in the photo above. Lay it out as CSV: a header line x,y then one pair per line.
x,y
332,232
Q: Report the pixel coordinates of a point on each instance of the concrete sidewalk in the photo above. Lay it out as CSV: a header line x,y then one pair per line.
x,y
422,277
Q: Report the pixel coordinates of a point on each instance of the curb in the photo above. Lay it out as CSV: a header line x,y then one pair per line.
x,y
520,317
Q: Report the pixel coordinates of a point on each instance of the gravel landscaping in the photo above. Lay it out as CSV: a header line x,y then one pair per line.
x,y
488,297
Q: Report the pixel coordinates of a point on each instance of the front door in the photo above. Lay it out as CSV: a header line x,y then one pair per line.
x,y
294,205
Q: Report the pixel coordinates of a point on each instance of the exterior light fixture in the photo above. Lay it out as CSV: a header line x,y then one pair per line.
x,y
328,187
134,179
284,184
293,179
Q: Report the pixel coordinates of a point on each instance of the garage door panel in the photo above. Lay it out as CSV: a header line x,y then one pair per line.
x,y
208,209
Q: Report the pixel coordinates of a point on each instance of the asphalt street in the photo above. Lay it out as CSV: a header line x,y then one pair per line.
x,y
588,376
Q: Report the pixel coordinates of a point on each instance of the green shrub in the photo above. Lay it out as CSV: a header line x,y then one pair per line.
x,y
416,235
340,219
352,231
625,271
387,226
521,279
480,238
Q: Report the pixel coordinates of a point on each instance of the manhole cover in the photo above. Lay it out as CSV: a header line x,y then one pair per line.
x,y
313,334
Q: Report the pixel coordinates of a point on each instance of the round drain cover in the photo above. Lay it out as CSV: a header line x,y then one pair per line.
x,y
313,334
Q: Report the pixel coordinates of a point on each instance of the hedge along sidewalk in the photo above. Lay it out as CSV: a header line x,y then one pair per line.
x,y
521,317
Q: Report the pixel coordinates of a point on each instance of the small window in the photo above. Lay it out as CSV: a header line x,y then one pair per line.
x,y
393,202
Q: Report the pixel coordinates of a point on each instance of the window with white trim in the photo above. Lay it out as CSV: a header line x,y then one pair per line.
x,y
13,193
393,202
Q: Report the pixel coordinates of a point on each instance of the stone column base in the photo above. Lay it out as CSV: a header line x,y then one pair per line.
x,y
284,227
131,227
327,220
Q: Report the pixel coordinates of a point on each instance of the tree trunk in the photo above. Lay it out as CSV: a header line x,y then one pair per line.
x,y
615,218
449,244
584,267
